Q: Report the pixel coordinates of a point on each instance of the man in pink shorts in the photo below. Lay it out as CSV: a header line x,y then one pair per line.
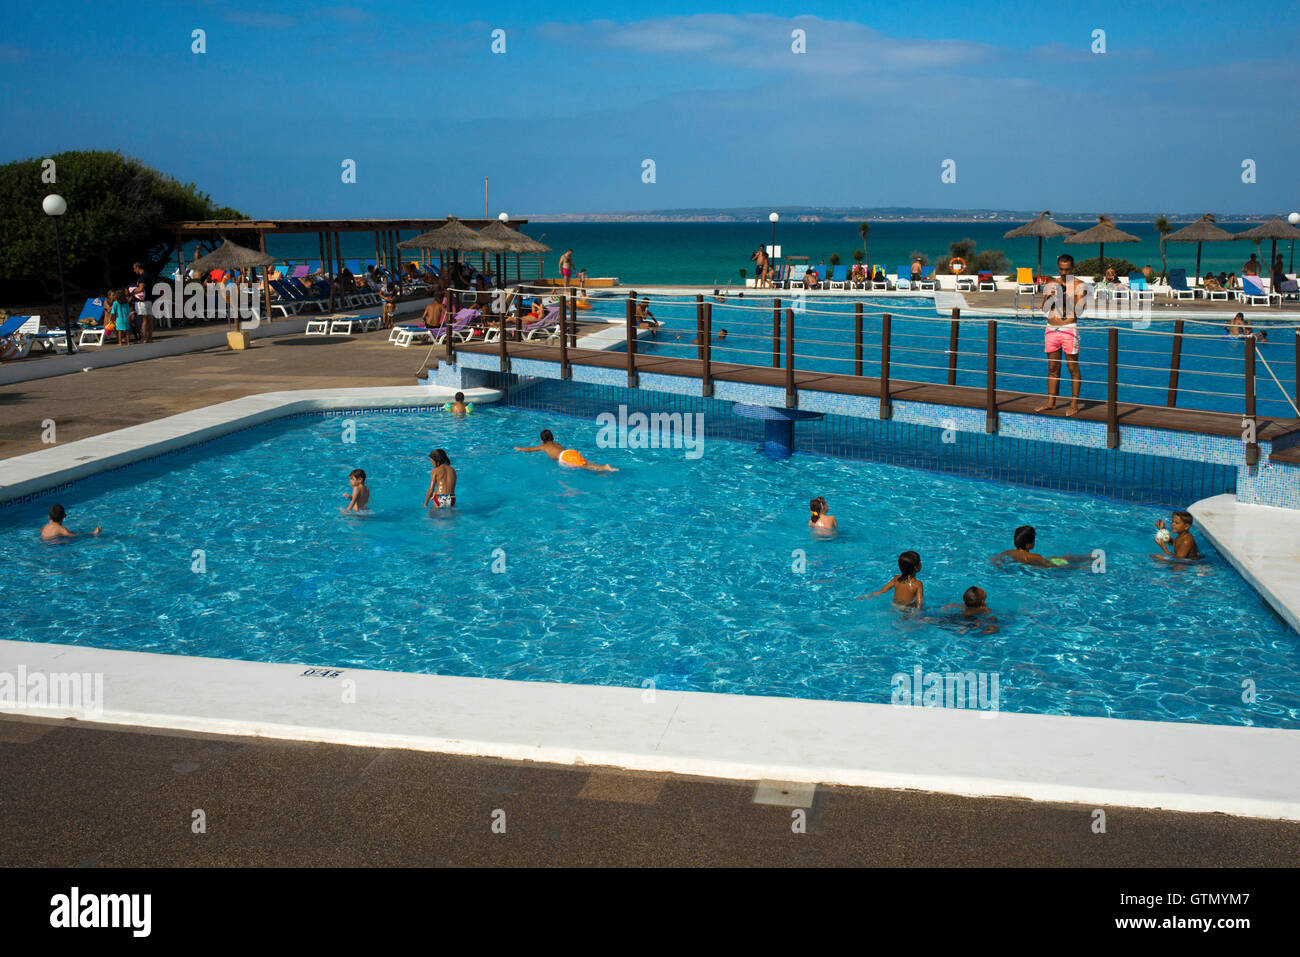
x,y
1063,299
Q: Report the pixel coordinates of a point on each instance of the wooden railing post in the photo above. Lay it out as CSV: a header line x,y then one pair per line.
x,y
504,319
632,380
791,397
886,407
991,380
1112,388
448,320
706,352
573,322
565,371
776,334
1175,360
1248,427
857,338
952,345
699,327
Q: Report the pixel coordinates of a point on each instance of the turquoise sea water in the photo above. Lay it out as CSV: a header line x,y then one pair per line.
x,y
684,571
714,253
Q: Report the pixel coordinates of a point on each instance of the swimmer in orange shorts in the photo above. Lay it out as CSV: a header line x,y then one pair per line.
x,y
558,453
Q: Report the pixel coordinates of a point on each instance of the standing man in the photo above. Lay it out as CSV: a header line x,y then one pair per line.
x,y
566,268
144,300
1063,303
760,267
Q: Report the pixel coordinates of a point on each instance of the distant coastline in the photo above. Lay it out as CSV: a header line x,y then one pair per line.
x,y
813,214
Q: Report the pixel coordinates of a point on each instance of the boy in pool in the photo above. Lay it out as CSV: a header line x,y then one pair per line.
x,y
821,520
908,590
458,406
54,527
1184,545
360,495
558,453
1023,553
975,606
442,481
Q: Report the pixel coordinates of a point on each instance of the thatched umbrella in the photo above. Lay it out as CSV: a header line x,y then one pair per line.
x,y
233,256
456,237
518,243
1042,228
1275,229
1104,232
1201,231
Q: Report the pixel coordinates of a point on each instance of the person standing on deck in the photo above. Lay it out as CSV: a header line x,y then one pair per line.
x,y
1063,299
566,268
760,267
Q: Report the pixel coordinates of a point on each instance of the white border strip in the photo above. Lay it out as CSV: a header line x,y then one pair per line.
x,y
37,471
1184,767
1259,541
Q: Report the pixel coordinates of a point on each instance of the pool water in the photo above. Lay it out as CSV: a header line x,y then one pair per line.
x,y
680,570
1212,370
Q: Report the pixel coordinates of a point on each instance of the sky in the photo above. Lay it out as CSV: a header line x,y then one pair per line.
x,y
1016,101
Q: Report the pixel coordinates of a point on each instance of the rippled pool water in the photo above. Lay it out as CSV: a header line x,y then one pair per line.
x,y
678,570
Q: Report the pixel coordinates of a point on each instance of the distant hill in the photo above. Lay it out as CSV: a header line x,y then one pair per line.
x,y
851,214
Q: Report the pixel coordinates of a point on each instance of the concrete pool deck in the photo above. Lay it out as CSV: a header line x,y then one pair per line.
x,y
1260,543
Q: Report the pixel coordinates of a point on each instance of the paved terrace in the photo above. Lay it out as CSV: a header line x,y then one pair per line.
x,y
286,803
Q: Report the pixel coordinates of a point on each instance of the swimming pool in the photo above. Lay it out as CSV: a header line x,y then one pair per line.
x,y
1211,377
680,571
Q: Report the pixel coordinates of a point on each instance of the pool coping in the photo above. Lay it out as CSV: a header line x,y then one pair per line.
x,y
1176,766
1246,771
1259,542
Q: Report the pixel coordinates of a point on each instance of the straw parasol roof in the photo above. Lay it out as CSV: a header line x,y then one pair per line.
x,y
457,237
1104,232
519,243
1201,231
1042,228
231,256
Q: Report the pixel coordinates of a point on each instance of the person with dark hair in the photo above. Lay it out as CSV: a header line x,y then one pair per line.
x,y
54,527
974,612
908,590
442,481
822,520
1184,544
1062,298
144,300
360,495
1251,266
1023,539
388,296
567,457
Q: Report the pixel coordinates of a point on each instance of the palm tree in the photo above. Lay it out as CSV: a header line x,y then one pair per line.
x,y
863,229
1164,229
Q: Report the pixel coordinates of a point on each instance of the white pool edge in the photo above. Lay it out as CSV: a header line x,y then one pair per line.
x,y
1259,541
1186,767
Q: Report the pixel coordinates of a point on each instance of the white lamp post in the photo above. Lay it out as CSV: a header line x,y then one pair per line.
x,y
55,206
1294,220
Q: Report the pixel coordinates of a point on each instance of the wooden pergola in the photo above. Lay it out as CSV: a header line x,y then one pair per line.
x,y
387,232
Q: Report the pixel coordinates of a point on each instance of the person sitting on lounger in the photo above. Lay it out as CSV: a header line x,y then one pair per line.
x,y
1212,284
568,457
54,528
917,269
811,280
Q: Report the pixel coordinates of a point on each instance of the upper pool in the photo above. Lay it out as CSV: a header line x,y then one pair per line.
x,y
1212,365
681,570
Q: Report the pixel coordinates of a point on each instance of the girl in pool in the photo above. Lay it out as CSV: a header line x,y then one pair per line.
x,y
908,590
442,481
822,521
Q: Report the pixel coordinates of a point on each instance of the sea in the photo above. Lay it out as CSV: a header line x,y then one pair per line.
x,y
715,253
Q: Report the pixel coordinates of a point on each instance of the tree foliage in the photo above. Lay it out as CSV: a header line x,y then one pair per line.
x,y
977,260
116,209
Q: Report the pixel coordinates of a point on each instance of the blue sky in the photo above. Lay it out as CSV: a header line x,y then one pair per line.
x,y
562,121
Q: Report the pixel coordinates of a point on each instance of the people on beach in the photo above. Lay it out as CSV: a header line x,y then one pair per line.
x,y
1184,545
567,457
822,520
360,495
54,528
1062,301
442,481
908,590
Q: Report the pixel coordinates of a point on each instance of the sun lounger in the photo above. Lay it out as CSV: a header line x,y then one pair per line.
x,y
1025,281
342,325
31,328
1178,285
1253,292
408,333
903,277
839,277
927,280
15,346
547,327
1289,288
462,326
985,282
797,272
1139,289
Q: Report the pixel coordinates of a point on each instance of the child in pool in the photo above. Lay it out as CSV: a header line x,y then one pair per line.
x,y
1023,553
1184,545
908,590
54,527
821,520
975,610
458,406
360,495
442,481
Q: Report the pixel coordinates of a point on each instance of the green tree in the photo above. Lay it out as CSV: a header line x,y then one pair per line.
x,y
1164,229
834,259
863,229
859,255
1092,267
116,209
